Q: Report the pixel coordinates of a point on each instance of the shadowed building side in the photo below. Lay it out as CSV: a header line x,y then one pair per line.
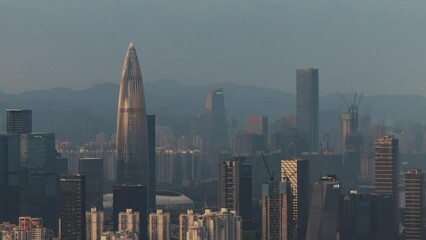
x,y
308,109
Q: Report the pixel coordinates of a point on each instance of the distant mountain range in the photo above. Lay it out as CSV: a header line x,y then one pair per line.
x,y
78,115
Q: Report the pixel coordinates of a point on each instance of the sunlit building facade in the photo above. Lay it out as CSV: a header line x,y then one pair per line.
x,y
296,171
387,174
132,133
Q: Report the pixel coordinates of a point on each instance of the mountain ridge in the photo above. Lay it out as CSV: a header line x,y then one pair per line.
x,y
77,115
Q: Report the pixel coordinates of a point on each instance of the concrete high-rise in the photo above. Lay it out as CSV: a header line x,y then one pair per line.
x,y
414,205
19,120
186,221
94,224
276,211
159,225
296,171
73,207
324,210
129,221
92,169
308,109
235,188
132,132
387,174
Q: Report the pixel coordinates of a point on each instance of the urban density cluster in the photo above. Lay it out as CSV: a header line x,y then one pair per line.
x,y
203,177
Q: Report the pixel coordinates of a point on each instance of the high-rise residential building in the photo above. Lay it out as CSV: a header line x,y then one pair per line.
x,y
277,211
129,221
28,229
19,120
119,236
159,225
73,207
219,225
354,221
196,232
323,213
216,128
131,197
92,169
152,161
258,125
414,205
132,129
38,179
94,224
296,171
308,109
235,188
186,221
387,174
177,167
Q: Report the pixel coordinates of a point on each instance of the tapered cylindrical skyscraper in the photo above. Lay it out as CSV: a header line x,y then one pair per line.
x,y
132,135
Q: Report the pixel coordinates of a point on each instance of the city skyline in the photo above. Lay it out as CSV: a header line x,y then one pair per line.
x,y
223,152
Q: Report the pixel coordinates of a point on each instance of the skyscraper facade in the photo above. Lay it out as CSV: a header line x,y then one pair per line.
x,y
4,178
324,210
132,133
19,120
414,205
308,109
216,127
387,174
92,169
131,197
10,164
296,171
235,188
354,221
152,161
73,207
382,221
276,211
38,179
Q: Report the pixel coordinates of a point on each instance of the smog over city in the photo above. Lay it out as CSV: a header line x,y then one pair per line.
x,y
212,119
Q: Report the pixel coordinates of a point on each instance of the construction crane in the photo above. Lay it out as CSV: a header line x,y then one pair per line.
x,y
271,174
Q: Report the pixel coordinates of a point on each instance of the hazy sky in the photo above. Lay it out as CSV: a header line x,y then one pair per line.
x,y
375,46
